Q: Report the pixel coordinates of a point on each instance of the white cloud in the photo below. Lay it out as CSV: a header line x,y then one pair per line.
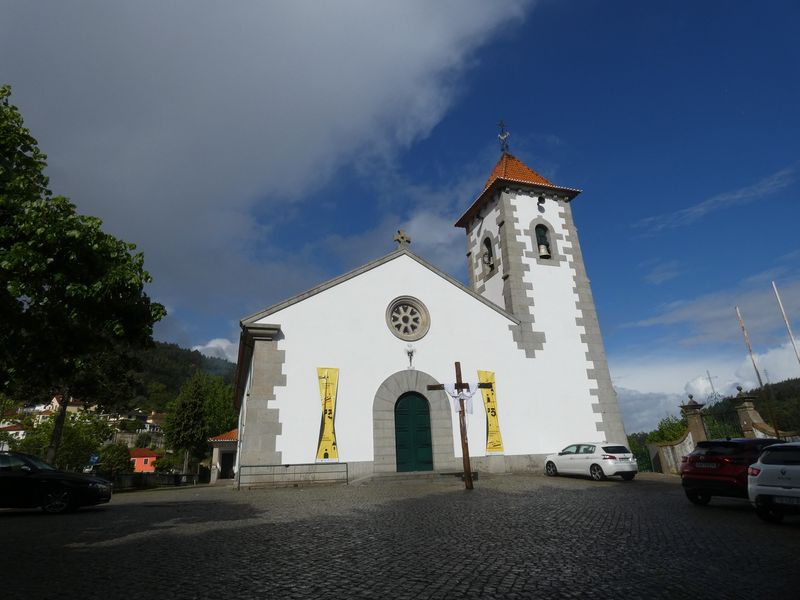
x,y
219,348
650,387
775,364
176,123
641,411
660,272
711,318
761,189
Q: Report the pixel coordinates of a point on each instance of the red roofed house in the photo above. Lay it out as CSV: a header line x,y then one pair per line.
x,y
143,460
16,432
224,455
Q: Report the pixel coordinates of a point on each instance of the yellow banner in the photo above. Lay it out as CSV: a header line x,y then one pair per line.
x,y
328,384
494,441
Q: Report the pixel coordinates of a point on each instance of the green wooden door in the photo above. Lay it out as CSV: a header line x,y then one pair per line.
x,y
412,432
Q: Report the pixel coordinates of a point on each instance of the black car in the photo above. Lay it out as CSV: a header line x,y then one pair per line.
x,y
28,482
719,468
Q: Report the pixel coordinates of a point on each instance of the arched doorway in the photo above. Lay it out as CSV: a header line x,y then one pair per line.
x,y
383,420
412,431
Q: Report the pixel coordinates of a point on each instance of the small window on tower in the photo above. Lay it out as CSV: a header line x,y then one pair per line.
x,y
543,241
488,255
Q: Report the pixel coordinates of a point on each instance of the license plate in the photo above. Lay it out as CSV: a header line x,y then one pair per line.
x,y
705,465
785,500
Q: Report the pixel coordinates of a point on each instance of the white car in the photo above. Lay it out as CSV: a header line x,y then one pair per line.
x,y
773,482
598,460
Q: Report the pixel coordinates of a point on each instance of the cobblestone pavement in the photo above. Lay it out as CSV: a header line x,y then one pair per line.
x,y
511,537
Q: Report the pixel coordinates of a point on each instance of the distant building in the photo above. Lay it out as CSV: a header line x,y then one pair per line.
x,y
143,460
16,432
223,457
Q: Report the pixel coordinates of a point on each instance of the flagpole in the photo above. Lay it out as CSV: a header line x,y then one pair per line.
x,y
749,347
786,320
760,382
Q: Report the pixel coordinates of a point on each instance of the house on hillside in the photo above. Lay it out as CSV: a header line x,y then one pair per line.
x,y
16,432
223,458
143,460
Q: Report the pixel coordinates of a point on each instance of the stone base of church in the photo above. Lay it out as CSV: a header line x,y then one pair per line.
x,y
345,473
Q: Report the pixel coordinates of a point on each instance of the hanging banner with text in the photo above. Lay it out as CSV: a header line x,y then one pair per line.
x,y
494,441
328,384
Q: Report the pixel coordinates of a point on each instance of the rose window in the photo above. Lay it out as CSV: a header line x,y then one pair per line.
x,y
407,318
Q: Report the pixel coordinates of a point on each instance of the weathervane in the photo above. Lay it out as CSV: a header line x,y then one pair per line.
x,y
503,137
402,239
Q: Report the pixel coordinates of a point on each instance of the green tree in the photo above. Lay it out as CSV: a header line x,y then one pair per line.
x,y
115,458
219,414
185,426
670,429
720,428
143,440
71,296
83,434
637,442
203,408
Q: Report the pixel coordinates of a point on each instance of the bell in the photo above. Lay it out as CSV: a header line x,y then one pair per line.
x,y
544,251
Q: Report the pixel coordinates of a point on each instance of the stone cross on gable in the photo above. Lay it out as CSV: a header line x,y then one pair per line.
x,y
402,239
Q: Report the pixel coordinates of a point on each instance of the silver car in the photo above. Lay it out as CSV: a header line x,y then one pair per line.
x,y
773,482
598,460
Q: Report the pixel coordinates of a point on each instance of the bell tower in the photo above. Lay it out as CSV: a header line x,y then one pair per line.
x,y
523,254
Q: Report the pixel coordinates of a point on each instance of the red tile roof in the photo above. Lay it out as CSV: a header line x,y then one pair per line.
x,y
143,453
513,169
510,169
12,428
229,436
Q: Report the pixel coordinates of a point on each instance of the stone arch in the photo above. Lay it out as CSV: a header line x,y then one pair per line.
x,y
394,386
556,243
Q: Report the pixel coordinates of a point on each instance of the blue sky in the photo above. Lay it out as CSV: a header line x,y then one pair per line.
x,y
255,150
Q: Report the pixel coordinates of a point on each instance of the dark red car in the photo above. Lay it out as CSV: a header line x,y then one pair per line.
x,y
719,468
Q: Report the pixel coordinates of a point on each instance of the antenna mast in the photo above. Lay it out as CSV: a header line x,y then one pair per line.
x,y
785,320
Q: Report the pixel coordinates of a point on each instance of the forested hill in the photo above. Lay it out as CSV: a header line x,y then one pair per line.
x,y
163,369
782,399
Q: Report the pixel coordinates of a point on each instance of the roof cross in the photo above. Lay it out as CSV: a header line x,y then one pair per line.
x,y
402,239
503,137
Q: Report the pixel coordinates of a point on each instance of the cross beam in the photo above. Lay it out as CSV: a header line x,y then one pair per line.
x,y
460,385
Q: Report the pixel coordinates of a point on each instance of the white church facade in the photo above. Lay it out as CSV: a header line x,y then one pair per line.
x,y
337,379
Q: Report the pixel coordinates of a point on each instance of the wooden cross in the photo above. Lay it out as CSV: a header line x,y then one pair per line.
x,y
462,421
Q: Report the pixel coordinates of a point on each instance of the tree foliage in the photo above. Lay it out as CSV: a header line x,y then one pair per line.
x,y
71,296
115,458
84,434
669,429
69,290
203,408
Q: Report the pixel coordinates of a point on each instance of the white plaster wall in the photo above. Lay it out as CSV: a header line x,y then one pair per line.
x,y
554,299
542,402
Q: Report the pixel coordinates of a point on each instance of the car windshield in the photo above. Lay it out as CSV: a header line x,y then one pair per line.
x,y
616,450
39,464
719,448
781,455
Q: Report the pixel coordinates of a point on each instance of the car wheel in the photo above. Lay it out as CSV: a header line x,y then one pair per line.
x,y
699,498
550,469
769,514
596,471
628,476
56,500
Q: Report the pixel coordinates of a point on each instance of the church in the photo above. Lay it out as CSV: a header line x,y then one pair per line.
x,y
345,380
